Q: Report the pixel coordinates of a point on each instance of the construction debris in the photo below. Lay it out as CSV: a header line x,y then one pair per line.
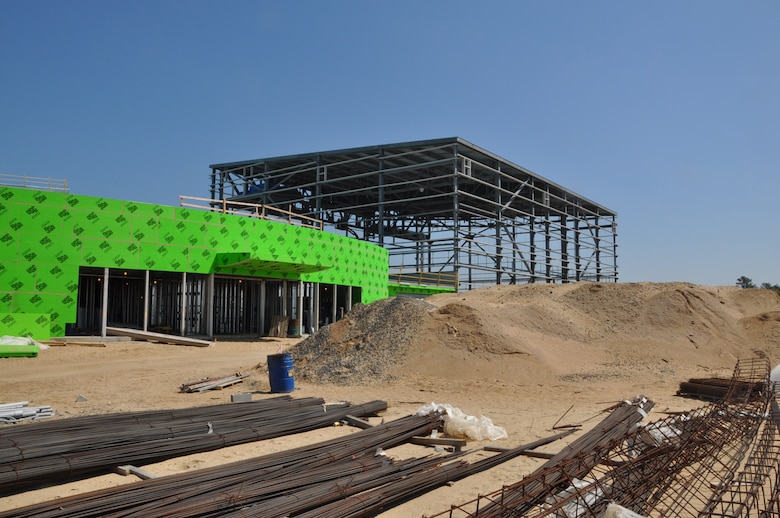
x,y
218,383
720,460
13,413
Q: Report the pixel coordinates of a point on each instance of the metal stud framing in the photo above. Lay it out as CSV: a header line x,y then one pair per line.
x,y
439,206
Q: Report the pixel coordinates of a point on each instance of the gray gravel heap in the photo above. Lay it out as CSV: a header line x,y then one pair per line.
x,y
361,348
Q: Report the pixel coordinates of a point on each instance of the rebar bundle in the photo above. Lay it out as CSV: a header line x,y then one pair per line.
x,y
237,487
385,496
720,460
55,451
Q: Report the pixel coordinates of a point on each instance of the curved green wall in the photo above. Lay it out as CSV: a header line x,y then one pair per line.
x,y
46,236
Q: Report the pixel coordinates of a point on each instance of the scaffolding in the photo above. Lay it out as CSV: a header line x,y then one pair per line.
x,y
441,206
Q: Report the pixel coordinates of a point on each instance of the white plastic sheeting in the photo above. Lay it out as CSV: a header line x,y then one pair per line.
x,y
774,377
21,340
576,507
458,424
617,511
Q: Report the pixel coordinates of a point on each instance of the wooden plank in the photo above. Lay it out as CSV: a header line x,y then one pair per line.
x,y
137,334
129,469
357,422
439,441
64,343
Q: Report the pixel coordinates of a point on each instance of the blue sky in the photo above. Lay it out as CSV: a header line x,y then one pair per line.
x,y
666,112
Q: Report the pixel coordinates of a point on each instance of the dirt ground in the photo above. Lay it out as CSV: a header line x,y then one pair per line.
x,y
528,357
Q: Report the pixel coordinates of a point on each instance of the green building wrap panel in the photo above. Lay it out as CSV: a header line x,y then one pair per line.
x,y
35,325
6,298
45,237
145,229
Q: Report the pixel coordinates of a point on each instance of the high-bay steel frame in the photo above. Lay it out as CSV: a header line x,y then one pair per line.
x,y
439,206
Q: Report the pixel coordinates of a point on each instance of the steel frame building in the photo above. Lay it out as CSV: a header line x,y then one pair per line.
x,y
444,209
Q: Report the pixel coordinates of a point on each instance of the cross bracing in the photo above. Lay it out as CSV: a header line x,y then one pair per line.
x,y
439,206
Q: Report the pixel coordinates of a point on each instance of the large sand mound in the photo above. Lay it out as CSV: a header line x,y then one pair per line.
x,y
542,332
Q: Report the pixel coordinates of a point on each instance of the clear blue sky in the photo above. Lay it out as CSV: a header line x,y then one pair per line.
x,y
666,112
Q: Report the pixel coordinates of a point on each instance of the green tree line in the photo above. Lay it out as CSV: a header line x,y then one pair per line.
x,y
747,282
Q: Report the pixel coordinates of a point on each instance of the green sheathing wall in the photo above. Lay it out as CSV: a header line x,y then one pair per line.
x,y
353,259
36,325
45,237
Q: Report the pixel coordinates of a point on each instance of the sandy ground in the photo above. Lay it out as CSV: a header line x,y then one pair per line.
x,y
527,358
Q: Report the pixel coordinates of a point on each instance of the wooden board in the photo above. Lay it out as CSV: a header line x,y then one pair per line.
x,y
136,334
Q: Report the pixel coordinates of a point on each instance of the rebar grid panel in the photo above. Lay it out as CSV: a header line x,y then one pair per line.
x,y
720,460
756,484
438,206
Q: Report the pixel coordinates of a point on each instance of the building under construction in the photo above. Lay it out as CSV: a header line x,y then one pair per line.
x,y
285,245
447,211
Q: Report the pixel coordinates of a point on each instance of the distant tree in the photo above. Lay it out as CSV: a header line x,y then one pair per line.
x,y
745,282
774,287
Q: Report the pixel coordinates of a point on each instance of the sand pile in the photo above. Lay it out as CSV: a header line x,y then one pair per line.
x,y
541,333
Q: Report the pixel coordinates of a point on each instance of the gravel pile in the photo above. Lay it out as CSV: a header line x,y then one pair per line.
x,y
362,347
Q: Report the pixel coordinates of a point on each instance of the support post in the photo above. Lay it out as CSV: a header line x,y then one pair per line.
x,y
210,306
317,289
263,290
300,308
334,304
381,201
564,249
598,250
532,245
285,297
455,214
183,312
498,242
547,251
146,302
104,312
577,260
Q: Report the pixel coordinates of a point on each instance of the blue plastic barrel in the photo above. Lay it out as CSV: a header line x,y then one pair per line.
x,y
280,368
